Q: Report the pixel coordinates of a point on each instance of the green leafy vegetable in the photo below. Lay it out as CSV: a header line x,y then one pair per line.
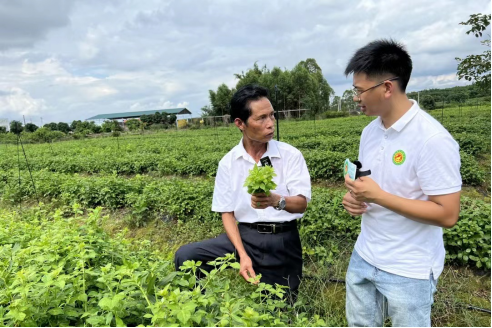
x,y
260,180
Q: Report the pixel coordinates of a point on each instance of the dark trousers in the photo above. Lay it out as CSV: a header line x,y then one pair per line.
x,y
278,257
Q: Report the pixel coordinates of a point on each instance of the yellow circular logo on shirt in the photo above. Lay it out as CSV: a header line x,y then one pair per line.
x,y
399,157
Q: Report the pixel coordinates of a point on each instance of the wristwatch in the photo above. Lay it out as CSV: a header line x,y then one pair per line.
x,y
281,204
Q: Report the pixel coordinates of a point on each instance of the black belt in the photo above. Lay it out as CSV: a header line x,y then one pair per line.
x,y
271,227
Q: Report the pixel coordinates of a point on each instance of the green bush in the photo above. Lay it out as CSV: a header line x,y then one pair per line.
x,y
324,225
472,143
334,114
471,172
59,271
469,241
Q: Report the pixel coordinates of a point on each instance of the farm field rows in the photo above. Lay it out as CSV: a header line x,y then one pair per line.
x,y
88,233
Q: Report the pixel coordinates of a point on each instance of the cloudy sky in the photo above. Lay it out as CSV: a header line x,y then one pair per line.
x,y
65,60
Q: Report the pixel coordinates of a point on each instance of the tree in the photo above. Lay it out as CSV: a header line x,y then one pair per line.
x,y
73,125
113,126
52,126
458,97
302,83
16,127
30,127
476,68
156,118
46,135
165,118
348,100
133,124
3,129
63,127
221,99
252,76
334,103
302,87
428,103
107,126
319,96
95,128
148,120
172,119
86,127
206,111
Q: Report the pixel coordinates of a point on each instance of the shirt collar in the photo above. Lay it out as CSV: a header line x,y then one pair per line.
x,y
272,150
403,121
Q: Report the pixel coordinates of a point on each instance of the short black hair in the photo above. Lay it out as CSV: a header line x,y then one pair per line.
x,y
242,98
382,57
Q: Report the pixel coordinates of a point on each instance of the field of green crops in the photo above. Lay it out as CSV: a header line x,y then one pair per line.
x,y
88,230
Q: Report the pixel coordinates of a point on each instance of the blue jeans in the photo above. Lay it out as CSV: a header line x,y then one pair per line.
x,y
372,294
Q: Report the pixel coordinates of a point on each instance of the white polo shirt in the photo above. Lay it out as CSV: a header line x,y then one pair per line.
x,y
292,179
415,158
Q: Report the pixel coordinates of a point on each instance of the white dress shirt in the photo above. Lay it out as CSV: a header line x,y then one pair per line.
x,y
415,158
231,196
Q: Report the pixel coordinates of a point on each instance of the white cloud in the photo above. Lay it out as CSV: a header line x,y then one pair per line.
x,y
72,61
47,68
21,103
432,82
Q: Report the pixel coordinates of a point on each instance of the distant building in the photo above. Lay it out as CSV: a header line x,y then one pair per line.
x,y
121,117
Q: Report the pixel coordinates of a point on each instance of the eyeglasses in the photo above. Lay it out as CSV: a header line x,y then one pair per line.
x,y
357,93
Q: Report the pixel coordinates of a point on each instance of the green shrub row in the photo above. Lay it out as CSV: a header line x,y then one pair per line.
x,y
190,199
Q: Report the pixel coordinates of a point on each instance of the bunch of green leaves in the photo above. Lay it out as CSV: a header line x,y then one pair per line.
x,y
260,180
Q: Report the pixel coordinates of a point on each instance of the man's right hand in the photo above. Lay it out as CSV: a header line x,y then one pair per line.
x,y
353,206
246,268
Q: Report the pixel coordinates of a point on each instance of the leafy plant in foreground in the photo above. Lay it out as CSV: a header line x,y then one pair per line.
x,y
260,180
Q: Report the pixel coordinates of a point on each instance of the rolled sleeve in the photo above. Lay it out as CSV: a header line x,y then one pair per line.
x,y
223,200
298,179
439,164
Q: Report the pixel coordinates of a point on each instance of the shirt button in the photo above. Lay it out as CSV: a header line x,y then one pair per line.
x,y
382,148
385,136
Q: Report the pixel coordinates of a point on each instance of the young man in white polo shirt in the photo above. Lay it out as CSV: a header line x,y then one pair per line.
x,y
412,193
261,230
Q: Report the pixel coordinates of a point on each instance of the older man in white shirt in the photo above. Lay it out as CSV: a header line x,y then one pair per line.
x,y
261,230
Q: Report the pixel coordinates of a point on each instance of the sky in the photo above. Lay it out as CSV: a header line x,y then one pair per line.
x,y
69,60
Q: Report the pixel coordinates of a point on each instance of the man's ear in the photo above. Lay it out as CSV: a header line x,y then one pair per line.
x,y
390,87
239,123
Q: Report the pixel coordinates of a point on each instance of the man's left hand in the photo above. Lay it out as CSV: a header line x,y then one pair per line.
x,y
363,189
262,201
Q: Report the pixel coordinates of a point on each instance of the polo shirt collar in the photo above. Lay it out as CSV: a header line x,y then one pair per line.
x,y
272,150
404,120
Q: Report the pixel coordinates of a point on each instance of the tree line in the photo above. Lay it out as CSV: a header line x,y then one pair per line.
x,y
302,87
305,86
152,121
